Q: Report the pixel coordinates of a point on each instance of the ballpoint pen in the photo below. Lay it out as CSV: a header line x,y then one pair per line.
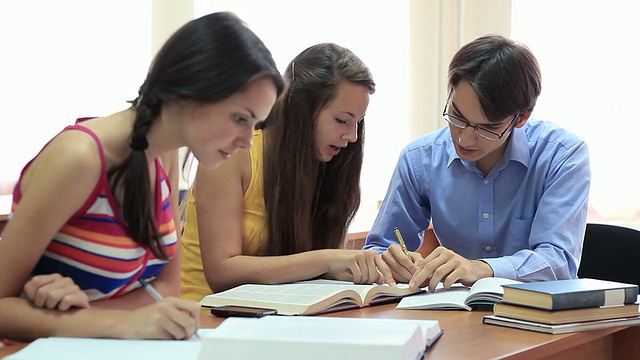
x,y
156,295
151,290
401,240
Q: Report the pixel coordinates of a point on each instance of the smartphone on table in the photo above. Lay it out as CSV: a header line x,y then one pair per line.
x,y
241,311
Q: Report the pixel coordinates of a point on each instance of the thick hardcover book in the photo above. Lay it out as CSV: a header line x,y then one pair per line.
x,y
565,316
560,328
570,294
319,338
483,294
308,297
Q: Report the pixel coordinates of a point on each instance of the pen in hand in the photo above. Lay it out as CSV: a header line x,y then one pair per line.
x,y
156,295
401,241
151,290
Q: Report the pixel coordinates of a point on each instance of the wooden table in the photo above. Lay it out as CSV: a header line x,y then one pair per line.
x,y
466,337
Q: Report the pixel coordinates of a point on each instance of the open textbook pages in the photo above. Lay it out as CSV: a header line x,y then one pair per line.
x,y
485,292
308,297
315,338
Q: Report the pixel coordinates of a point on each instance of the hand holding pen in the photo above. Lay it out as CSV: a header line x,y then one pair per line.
x,y
179,326
403,245
402,264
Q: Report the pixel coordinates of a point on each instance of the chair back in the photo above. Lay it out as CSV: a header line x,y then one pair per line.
x,y
611,252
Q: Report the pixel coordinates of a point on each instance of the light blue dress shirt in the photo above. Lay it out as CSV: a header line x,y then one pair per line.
x,y
526,218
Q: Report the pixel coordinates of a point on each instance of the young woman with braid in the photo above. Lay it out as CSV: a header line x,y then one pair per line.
x,y
278,212
96,210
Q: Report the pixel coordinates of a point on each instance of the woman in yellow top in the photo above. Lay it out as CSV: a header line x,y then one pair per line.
x,y
279,212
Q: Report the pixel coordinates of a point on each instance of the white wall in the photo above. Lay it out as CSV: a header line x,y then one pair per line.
x,y
62,60
588,55
70,58
375,30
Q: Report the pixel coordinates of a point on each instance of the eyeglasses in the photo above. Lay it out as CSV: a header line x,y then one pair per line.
x,y
485,133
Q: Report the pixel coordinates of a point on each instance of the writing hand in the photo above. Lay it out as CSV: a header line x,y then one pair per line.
x,y
53,291
444,265
402,266
171,318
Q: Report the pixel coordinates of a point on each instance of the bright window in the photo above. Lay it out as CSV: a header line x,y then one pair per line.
x,y
62,60
589,60
375,30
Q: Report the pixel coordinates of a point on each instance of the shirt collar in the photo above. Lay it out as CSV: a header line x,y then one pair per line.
x,y
517,150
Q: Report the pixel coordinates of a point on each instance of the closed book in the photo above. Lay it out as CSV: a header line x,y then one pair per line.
x,y
560,328
67,348
565,316
570,294
308,297
319,338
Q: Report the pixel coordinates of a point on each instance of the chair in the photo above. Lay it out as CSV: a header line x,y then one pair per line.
x,y
611,253
355,241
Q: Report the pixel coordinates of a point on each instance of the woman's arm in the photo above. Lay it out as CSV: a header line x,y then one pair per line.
x,y
219,205
54,187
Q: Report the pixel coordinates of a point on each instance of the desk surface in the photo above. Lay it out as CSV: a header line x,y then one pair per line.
x,y
465,336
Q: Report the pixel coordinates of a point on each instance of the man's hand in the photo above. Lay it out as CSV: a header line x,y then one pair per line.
x,y
444,265
402,266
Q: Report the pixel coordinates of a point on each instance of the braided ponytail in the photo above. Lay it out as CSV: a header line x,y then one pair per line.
x,y
207,60
137,212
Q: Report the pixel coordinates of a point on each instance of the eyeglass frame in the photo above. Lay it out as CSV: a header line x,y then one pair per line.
x,y
466,123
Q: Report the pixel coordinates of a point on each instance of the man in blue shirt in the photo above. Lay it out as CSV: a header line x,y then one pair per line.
x,y
507,195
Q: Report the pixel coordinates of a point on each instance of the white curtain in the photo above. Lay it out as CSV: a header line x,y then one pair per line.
x,y
588,55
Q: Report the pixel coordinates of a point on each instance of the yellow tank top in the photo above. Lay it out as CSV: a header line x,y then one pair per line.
x,y
193,283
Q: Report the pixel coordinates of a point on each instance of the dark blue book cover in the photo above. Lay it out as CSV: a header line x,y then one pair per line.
x,y
570,294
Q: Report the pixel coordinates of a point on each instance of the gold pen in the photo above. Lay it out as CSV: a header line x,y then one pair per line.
x,y
401,240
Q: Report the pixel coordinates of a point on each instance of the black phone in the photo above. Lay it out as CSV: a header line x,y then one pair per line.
x,y
241,311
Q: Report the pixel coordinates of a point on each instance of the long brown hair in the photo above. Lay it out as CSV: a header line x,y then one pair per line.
x,y
206,60
310,204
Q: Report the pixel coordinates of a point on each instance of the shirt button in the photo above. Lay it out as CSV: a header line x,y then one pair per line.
x,y
488,248
486,181
485,215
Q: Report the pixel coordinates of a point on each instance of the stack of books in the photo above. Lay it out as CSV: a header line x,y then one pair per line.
x,y
563,306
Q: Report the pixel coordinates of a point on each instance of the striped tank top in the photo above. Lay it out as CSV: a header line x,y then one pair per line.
x,y
94,248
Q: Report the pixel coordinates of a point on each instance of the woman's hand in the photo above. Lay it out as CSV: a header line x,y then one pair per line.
x,y
171,318
359,266
54,291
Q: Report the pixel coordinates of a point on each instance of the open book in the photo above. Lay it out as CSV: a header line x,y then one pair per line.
x,y
308,297
485,292
320,337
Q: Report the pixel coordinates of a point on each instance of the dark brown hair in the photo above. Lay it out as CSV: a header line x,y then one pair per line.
x,y
206,60
311,203
504,74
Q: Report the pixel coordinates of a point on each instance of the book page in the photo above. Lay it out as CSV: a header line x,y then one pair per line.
x,y
324,285
487,291
442,299
288,299
368,293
